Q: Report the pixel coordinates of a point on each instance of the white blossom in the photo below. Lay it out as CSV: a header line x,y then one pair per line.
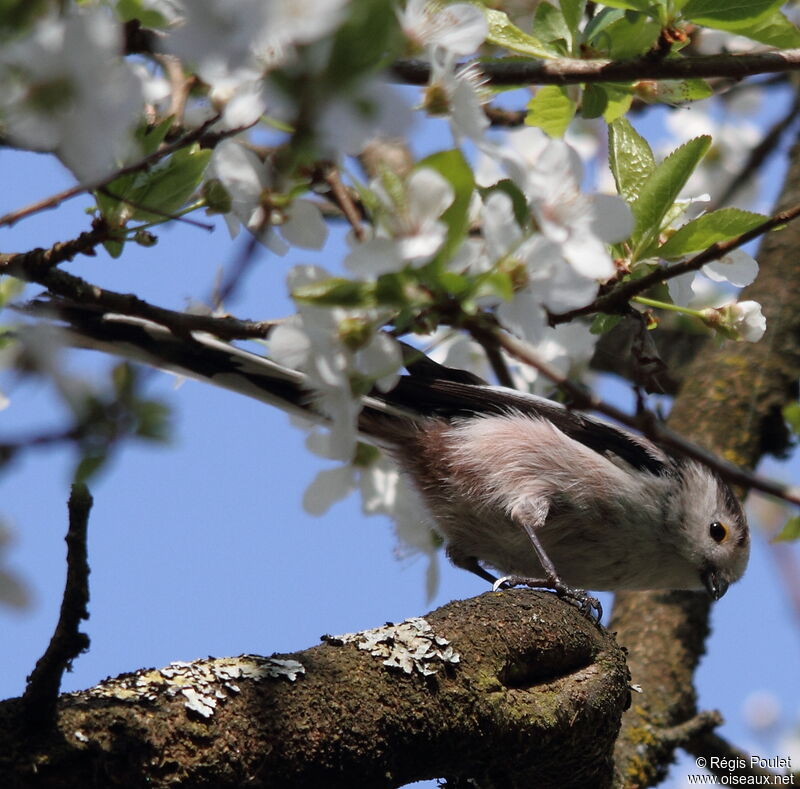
x,y
410,231
343,354
67,89
352,117
548,172
248,180
458,28
741,320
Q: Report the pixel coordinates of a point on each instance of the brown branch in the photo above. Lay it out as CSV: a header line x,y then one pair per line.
x,y
37,266
568,71
41,692
344,199
519,672
143,164
619,296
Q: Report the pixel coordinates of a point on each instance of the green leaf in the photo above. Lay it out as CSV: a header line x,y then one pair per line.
x,y
774,30
608,99
456,170
156,194
661,189
518,200
337,292
10,288
603,323
572,11
152,420
790,532
503,33
630,158
791,413
708,229
88,466
622,35
551,109
136,9
727,15
646,6
369,38
551,28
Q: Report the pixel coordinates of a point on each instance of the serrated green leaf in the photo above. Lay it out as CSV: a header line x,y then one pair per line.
x,y
503,33
727,15
551,109
551,28
708,229
791,413
661,189
336,292
790,531
593,101
774,30
630,158
603,323
456,170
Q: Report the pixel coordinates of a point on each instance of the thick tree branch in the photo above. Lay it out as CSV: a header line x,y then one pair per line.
x,y
41,693
516,672
569,71
730,395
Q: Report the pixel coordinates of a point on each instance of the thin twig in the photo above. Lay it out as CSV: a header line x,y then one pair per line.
x,y
644,421
344,200
55,200
568,71
619,296
41,692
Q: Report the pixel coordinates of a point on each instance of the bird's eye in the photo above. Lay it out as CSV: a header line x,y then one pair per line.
x,y
718,531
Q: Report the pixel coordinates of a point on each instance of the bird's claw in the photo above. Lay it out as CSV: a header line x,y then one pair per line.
x,y
588,605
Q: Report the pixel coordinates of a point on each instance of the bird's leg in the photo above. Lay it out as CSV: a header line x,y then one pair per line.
x,y
533,517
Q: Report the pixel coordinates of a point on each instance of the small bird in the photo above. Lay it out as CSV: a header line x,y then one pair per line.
x,y
544,495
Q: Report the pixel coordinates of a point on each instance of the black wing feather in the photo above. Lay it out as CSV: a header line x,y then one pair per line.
x,y
451,399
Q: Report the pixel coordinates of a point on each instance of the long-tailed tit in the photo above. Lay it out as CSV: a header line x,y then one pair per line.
x,y
544,495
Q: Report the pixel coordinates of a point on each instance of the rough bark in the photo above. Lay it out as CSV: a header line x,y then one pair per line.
x,y
524,690
730,403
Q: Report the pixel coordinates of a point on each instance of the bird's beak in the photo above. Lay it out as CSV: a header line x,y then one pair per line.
x,y
714,583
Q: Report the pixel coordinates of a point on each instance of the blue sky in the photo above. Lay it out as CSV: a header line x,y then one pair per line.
x,y
201,546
